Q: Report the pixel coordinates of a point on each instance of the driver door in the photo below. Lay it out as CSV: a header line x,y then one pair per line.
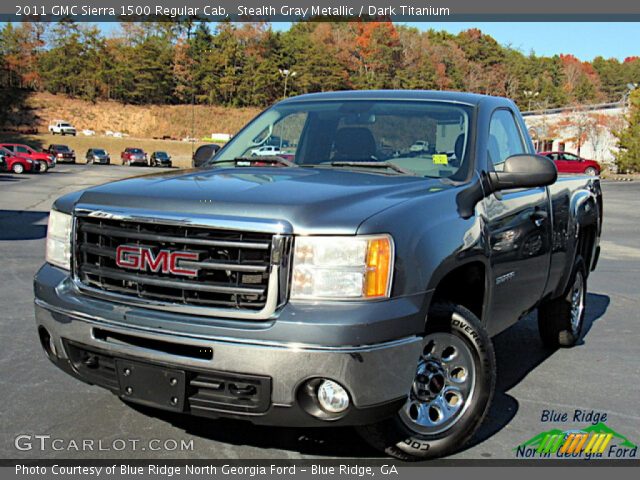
x,y
519,226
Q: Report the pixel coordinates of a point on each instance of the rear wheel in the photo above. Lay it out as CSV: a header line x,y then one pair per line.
x,y
560,320
17,168
591,171
451,392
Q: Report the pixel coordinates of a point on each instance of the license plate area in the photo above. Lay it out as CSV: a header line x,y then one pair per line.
x,y
151,385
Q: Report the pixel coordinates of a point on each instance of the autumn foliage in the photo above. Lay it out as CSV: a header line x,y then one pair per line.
x,y
240,65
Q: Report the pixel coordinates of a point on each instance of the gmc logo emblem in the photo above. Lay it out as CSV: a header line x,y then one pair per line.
x,y
166,261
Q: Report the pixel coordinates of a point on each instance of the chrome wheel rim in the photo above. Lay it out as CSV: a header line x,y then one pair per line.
x,y
443,385
577,303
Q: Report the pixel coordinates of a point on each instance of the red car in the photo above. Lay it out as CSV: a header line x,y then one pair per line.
x,y
131,156
14,163
570,163
44,160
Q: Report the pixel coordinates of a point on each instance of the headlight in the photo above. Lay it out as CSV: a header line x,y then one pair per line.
x,y
59,240
342,268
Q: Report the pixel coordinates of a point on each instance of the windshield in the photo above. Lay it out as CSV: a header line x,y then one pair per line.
x,y
134,150
61,148
336,134
161,154
99,152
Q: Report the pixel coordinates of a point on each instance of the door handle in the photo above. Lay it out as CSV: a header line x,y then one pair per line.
x,y
539,217
240,391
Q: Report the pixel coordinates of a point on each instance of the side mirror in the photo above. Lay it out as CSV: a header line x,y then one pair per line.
x,y
524,171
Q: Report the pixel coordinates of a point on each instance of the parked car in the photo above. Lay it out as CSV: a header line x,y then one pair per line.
x,y
131,156
419,146
204,153
357,292
570,163
44,160
61,127
266,151
17,164
160,159
62,153
98,155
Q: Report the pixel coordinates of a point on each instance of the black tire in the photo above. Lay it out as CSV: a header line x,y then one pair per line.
x,y
559,324
591,171
18,168
398,438
43,166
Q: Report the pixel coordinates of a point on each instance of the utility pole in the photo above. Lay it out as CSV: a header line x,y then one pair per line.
x,y
529,95
286,74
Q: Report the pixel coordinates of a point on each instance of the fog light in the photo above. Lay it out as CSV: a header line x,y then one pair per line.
x,y
333,397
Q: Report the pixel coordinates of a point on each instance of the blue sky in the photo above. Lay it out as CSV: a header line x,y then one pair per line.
x,y
584,40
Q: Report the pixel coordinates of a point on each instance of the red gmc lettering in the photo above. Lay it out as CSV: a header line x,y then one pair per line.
x,y
173,263
128,257
154,264
165,261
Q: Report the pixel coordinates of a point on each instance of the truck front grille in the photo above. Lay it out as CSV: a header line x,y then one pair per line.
x,y
233,267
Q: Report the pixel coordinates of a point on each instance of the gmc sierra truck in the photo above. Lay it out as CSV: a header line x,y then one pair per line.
x,y
349,284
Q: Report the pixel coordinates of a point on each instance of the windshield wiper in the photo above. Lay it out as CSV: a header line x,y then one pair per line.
x,y
252,161
272,160
387,165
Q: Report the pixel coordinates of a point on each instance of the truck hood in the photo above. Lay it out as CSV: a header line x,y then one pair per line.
x,y
305,200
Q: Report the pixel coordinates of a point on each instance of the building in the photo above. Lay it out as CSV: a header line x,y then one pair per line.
x,y
585,130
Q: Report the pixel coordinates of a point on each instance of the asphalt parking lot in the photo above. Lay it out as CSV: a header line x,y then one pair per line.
x,y
602,374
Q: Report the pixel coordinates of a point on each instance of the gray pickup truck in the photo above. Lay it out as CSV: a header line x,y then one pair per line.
x,y
353,280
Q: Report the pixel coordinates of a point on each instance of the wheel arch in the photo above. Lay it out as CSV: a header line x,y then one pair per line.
x,y
464,284
585,213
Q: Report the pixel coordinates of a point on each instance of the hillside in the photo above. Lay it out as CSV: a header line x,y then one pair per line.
x,y
36,110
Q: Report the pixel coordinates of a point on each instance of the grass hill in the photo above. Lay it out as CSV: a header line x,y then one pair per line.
x,y
34,111
25,116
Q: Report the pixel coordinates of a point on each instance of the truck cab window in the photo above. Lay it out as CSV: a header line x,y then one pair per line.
x,y
504,138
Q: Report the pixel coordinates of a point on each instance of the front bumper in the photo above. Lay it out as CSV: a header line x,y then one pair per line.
x,y
137,160
377,376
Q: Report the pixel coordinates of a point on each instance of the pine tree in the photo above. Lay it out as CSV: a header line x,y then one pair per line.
x,y
628,154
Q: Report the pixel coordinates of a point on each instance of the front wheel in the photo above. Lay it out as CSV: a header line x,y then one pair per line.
x,y
454,382
591,171
18,168
43,166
